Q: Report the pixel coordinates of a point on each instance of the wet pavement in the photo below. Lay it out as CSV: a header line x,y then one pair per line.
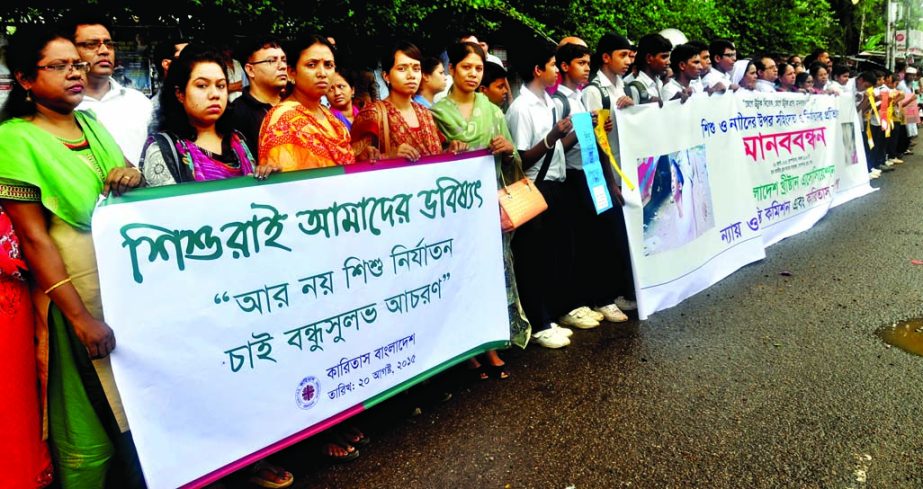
x,y
763,380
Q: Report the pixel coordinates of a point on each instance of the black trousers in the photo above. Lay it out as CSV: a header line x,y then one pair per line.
x,y
542,260
602,268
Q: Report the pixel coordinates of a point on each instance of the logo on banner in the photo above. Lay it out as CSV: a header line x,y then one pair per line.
x,y
307,393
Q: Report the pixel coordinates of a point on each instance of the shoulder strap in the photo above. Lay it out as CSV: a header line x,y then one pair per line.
x,y
385,142
565,104
550,153
643,96
168,151
604,94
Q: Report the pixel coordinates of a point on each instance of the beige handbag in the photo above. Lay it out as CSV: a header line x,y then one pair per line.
x,y
520,201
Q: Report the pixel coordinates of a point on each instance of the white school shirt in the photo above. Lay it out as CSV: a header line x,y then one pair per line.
x,y
126,114
670,90
697,85
593,101
573,158
651,85
715,77
765,86
530,119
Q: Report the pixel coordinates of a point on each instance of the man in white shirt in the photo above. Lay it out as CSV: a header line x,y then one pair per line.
x,y
594,235
687,64
767,73
123,111
652,61
542,247
723,55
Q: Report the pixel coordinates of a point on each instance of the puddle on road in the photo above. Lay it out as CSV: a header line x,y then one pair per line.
x,y
906,335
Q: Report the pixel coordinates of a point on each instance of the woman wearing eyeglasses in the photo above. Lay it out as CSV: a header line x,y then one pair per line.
x,y
55,162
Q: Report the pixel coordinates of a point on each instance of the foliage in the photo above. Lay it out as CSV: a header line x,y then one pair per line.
x,y
782,26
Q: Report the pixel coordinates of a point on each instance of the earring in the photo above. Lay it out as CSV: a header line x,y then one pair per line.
x,y
28,96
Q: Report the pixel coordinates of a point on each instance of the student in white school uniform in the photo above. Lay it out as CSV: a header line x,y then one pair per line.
x,y
541,247
723,55
698,84
607,91
686,62
652,61
594,235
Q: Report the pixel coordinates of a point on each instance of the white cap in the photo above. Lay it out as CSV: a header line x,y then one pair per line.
x,y
911,70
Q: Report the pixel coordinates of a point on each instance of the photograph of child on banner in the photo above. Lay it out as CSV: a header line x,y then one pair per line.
x,y
677,199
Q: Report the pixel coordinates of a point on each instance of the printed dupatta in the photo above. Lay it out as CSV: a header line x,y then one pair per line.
x,y
293,139
371,129
37,166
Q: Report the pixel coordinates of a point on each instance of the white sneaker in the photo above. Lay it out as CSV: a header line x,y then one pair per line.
x,y
896,161
873,175
565,332
591,313
612,313
549,339
625,304
578,319
889,163
876,171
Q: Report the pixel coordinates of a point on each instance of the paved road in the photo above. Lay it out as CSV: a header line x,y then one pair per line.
x,y
763,380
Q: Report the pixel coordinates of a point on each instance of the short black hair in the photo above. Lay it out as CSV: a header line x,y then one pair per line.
x,y
815,67
869,76
682,53
406,47
254,44
758,61
651,44
569,52
718,46
699,45
492,73
538,56
428,65
85,16
839,69
801,78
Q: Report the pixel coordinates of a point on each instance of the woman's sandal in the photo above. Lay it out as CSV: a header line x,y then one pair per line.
x,y
354,436
339,442
499,372
270,476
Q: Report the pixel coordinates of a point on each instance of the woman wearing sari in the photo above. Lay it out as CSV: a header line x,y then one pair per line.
x,y
398,127
24,452
196,144
468,116
301,133
54,164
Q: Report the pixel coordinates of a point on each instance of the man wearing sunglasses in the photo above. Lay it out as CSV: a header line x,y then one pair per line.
x,y
123,111
266,67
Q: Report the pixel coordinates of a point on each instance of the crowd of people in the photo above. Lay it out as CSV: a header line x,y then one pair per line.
x,y
70,133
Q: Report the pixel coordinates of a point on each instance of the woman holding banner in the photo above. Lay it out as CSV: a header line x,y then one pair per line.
x,y
397,126
55,162
300,133
467,115
196,144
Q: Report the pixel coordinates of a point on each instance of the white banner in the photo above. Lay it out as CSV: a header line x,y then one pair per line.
x,y
251,315
742,172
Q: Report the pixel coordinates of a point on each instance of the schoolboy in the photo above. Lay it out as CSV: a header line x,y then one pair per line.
x,y
495,85
594,235
542,247
723,55
652,61
607,91
686,62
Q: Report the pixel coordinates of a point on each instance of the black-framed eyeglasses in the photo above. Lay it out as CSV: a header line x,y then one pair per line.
x,y
94,45
729,55
275,60
80,66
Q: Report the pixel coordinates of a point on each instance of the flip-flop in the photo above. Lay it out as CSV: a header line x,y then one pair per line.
x,y
354,436
499,372
350,456
281,474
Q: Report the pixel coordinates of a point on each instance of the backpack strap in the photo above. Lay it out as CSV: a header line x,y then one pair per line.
x,y
167,146
643,96
565,104
547,161
604,94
